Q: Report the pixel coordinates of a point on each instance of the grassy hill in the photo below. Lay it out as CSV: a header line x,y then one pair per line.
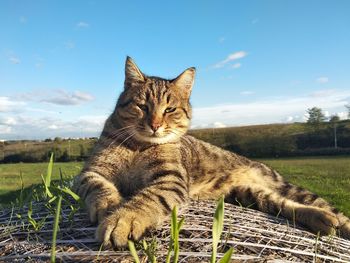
x,y
275,140
39,151
272,140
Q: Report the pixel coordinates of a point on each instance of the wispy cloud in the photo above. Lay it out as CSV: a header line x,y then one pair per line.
x,y
63,97
322,80
8,105
82,24
14,60
324,93
247,92
58,97
236,65
231,57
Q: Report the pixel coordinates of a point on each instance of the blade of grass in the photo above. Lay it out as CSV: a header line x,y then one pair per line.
x,y
55,229
150,250
71,193
47,179
133,251
21,197
174,229
217,227
49,171
227,257
174,237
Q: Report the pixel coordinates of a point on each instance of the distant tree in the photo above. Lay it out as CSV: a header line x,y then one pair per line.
x,y
348,108
316,116
48,140
58,139
334,119
82,153
65,156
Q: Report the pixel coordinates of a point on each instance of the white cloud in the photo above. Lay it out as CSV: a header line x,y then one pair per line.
x,y
323,93
236,65
272,110
5,129
289,119
218,124
247,92
8,121
58,97
53,127
62,97
343,115
231,57
14,60
7,105
322,80
29,127
82,24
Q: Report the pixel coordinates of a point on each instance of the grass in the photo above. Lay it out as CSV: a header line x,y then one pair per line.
x,y
10,179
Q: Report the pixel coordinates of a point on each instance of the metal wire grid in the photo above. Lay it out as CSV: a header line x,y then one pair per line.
x,y
255,237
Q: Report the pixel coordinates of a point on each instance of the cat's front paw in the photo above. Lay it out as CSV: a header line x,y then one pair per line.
x,y
122,225
101,205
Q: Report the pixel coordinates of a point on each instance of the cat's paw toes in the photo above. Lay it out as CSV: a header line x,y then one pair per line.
x,y
121,226
321,221
99,207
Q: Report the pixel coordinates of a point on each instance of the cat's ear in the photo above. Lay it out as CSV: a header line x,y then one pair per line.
x,y
132,72
185,80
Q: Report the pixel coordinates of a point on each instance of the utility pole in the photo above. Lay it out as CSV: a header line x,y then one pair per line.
x,y
335,136
69,147
3,150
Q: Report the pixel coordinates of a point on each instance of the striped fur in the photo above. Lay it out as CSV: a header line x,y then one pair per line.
x,y
144,164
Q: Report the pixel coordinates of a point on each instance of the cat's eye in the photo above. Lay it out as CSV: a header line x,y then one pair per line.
x,y
143,107
170,109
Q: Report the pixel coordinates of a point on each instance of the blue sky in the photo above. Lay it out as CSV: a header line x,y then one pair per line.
x,y
62,62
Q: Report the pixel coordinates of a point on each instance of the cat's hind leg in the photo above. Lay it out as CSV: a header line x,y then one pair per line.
x,y
308,198
269,201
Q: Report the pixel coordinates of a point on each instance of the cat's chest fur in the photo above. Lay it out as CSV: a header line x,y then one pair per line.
x,y
141,165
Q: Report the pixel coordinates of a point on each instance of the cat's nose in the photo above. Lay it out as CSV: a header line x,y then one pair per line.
x,y
155,126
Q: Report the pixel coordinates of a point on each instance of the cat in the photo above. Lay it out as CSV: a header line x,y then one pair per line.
x,y
144,164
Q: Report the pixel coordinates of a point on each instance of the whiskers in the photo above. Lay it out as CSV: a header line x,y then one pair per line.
x,y
123,134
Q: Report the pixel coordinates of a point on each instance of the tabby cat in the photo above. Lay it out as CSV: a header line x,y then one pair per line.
x,y
144,164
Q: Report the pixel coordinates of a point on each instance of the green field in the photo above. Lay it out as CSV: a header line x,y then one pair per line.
x,y
329,177
10,179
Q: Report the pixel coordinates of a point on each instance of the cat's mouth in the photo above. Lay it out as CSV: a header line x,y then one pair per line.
x,y
155,137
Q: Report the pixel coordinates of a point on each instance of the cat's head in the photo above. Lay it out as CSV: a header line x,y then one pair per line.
x,y
152,109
